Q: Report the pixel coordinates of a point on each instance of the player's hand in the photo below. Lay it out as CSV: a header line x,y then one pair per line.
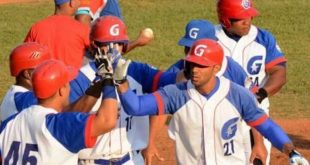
x,y
104,65
121,69
149,153
297,159
259,154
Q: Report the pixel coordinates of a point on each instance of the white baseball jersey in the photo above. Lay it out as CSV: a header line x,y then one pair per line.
x,y
131,133
16,99
255,52
208,129
40,135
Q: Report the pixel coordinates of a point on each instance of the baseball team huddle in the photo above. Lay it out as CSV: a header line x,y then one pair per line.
x,y
77,100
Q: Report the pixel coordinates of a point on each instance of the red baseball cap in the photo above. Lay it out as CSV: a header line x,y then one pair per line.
x,y
205,52
51,75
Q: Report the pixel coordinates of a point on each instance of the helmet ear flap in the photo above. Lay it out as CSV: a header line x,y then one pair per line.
x,y
226,23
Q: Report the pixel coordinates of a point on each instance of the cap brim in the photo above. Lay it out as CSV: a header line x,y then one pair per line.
x,y
185,42
198,60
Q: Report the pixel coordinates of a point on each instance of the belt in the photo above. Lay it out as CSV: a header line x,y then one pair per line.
x,y
117,161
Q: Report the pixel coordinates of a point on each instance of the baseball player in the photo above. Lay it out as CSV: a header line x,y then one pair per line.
x,y
123,144
66,38
23,59
255,49
91,10
208,112
203,29
41,134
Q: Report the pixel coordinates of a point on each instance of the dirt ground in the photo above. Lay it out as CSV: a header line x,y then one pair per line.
x,y
298,130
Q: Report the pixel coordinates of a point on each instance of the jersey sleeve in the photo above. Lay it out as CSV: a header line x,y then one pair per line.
x,y
170,98
113,8
274,55
246,104
149,77
78,87
235,72
24,100
164,101
176,67
72,130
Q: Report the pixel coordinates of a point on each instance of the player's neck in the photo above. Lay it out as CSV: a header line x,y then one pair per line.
x,y
24,83
52,103
207,87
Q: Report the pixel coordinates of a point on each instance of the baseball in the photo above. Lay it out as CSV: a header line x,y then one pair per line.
x,y
148,32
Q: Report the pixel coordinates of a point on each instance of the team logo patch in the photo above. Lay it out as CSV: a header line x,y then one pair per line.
x,y
199,50
254,65
35,54
193,33
230,128
246,4
114,30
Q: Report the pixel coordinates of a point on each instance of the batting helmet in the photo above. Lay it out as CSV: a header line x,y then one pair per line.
x,y
26,56
206,52
109,29
49,76
236,9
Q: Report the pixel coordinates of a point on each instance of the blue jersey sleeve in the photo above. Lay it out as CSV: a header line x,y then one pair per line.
x,y
165,101
149,77
274,55
78,87
176,67
24,100
72,130
112,8
273,133
170,98
245,102
234,72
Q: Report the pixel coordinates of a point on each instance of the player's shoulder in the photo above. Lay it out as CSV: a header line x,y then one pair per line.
x,y
264,36
175,90
239,92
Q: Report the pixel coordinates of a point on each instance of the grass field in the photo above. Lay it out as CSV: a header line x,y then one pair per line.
x,y
288,20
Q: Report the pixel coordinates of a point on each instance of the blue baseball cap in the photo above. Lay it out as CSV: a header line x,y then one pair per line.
x,y
59,2
197,29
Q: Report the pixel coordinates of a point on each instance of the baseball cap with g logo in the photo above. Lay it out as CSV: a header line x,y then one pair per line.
x,y
195,30
109,29
205,52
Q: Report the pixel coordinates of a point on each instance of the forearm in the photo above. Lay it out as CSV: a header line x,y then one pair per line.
x,y
156,124
84,104
277,78
107,113
258,138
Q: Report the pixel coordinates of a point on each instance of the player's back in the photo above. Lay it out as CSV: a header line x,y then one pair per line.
x,y
66,38
25,139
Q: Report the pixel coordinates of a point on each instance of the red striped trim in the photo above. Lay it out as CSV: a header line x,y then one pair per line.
x,y
160,103
156,81
89,140
275,62
258,121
